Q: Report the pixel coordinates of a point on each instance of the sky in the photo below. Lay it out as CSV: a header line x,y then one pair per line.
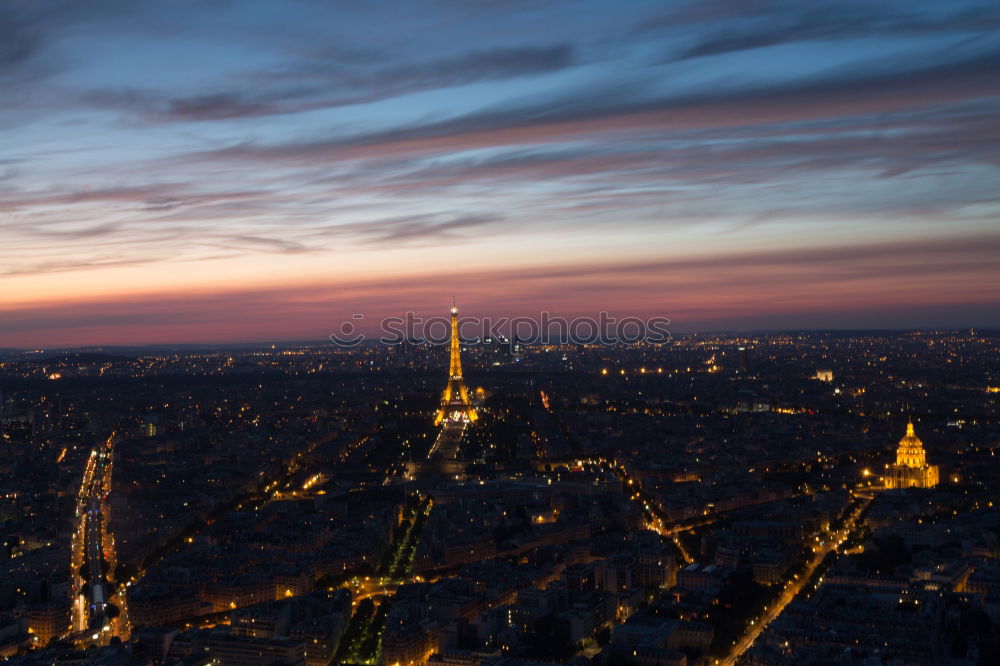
x,y
183,172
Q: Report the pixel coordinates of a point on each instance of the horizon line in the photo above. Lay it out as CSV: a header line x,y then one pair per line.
x,y
191,346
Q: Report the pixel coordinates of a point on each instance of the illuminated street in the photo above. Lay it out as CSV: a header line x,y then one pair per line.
x,y
795,586
98,613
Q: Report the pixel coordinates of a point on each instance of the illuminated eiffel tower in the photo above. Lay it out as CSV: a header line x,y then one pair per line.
x,y
455,405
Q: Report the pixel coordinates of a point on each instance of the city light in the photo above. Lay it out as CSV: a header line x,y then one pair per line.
x,y
722,387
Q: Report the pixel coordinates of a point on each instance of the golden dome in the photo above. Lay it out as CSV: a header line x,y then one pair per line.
x,y
910,438
911,449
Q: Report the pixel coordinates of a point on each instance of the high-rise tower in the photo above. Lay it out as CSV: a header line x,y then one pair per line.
x,y
455,404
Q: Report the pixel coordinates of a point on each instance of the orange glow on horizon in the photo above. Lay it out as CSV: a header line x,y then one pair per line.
x,y
769,289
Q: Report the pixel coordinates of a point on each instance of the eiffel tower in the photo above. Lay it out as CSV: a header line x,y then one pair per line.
x,y
455,406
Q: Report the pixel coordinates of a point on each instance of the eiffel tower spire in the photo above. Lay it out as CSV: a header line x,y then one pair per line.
x,y
455,404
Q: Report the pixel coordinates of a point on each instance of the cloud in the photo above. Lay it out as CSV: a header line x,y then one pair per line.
x,y
578,127
746,155
425,228
152,197
596,113
176,223
488,64
267,244
636,161
20,38
94,231
691,14
29,28
65,265
312,85
216,106
411,229
883,283
746,26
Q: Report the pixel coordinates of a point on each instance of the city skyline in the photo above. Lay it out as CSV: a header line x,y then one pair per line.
x,y
721,500
262,172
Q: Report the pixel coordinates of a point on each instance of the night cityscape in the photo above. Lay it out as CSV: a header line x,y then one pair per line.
x,y
436,333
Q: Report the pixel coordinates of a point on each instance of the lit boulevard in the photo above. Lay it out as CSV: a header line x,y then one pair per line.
x,y
99,609
794,586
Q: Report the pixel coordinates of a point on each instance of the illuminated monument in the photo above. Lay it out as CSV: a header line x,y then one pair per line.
x,y
911,469
455,405
454,415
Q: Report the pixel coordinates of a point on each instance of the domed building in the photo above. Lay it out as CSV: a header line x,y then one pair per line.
x,y
911,469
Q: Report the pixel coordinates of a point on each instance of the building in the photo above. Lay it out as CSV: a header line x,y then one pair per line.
x,y
911,469
152,643
14,637
453,415
696,577
409,644
46,621
159,605
455,404
241,651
